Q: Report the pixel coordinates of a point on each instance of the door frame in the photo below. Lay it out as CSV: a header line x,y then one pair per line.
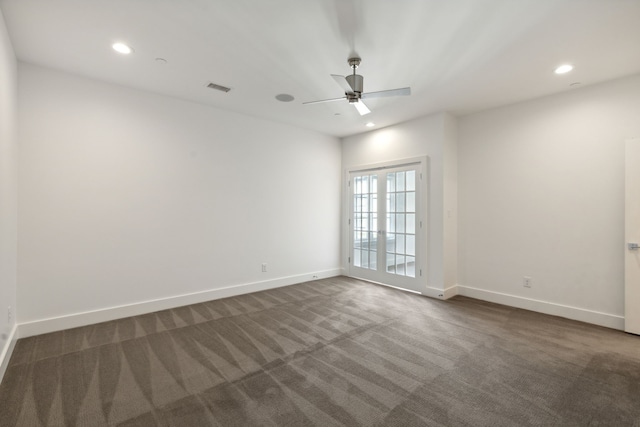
x,y
632,234
421,239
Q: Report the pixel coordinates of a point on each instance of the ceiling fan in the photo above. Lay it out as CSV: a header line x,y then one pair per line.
x,y
353,85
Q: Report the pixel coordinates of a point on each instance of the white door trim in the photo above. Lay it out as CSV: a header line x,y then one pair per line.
x,y
632,235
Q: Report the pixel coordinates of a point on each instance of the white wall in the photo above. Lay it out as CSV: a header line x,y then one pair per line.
x,y
432,136
127,197
450,201
541,193
8,192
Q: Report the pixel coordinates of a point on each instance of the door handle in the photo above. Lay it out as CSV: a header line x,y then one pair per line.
x,y
633,246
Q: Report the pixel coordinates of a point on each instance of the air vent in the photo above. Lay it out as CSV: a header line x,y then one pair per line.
x,y
218,87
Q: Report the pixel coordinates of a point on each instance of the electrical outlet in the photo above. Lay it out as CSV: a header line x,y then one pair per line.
x,y
10,314
526,281
264,267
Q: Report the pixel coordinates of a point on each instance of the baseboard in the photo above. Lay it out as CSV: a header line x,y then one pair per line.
x,y
5,356
428,291
43,326
450,292
594,317
438,293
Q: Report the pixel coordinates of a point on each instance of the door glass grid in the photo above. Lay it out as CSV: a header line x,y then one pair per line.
x,y
401,223
365,209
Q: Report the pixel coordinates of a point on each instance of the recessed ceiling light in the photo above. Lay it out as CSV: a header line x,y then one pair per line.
x,y
564,69
161,61
370,124
122,48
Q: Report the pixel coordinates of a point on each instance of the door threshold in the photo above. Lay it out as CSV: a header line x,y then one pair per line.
x,y
388,285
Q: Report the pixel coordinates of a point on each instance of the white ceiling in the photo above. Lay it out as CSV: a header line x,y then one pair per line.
x,y
457,55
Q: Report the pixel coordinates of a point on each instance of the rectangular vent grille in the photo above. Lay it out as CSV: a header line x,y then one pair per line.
x,y
218,87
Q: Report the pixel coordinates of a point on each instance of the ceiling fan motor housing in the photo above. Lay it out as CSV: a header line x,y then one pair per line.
x,y
356,83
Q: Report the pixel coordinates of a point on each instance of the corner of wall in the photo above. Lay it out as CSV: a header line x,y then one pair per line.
x,y
5,355
8,195
450,203
443,293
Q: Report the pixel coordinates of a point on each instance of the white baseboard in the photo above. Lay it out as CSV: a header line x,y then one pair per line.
x,y
451,291
43,326
438,293
597,318
8,350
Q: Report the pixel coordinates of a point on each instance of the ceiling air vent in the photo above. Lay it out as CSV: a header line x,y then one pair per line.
x,y
218,87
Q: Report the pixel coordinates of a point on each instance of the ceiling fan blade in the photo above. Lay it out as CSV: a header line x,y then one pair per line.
x,y
326,100
343,83
391,92
362,109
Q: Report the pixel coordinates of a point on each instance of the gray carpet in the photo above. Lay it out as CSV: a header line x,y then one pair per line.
x,y
333,352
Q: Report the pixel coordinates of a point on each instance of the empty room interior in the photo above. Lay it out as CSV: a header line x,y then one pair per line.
x,y
320,212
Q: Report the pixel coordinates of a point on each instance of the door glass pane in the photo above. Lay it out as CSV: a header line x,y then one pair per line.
x,y
400,181
373,241
411,224
411,181
391,243
400,202
400,244
391,263
391,182
411,201
400,223
391,202
364,241
400,265
391,223
365,259
356,257
410,244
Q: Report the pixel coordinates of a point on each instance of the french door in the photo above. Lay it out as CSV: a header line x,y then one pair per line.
x,y
386,225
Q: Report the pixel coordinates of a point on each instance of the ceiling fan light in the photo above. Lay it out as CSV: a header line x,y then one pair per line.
x,y
362,109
